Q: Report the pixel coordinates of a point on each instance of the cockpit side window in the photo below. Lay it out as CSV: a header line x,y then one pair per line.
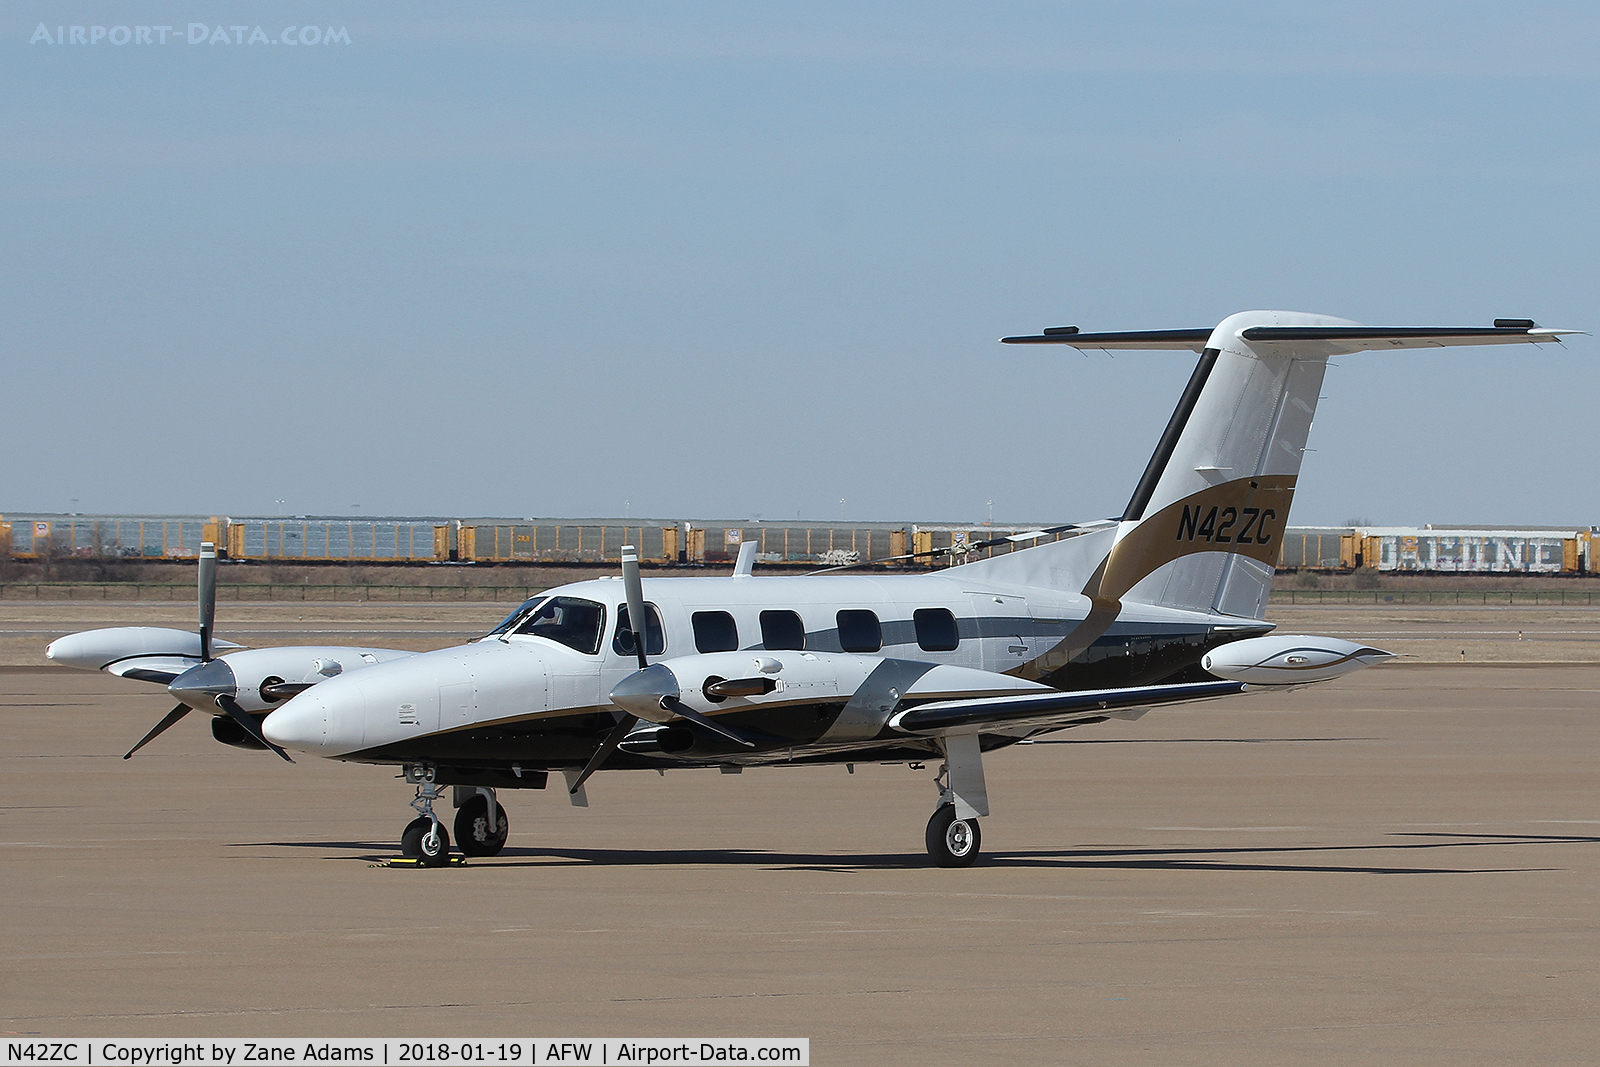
x,y
568,620
655,637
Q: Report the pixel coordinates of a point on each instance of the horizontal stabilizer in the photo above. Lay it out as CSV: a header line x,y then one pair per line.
x,y
1348,338
1193,340
1358,338
1051,709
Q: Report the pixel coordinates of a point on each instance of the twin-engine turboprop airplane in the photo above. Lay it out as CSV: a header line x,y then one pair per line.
x,y
1161,605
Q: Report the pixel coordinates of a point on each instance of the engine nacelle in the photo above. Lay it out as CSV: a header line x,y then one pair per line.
x,y
1289,659
285,670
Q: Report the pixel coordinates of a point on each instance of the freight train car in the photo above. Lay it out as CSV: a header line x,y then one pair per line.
x,y
307,539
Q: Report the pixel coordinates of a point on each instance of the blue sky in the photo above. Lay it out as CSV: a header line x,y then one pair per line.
x,y
752,259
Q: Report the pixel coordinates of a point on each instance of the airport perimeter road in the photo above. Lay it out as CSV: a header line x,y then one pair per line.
x,y
1400,868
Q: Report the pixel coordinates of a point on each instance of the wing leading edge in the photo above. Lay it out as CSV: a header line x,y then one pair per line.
x,y
1051,709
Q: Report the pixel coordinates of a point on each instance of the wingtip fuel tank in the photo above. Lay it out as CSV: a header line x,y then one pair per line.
x,y
1289,659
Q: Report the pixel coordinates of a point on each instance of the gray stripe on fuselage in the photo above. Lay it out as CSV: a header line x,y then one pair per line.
x,y
903,633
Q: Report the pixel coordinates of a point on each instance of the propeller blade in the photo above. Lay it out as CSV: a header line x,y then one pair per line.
x,y
603,753
208,597
249,725
682,710
172,716
635,590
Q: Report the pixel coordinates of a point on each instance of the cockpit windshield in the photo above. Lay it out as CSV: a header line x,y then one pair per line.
x,y
523,610
568,620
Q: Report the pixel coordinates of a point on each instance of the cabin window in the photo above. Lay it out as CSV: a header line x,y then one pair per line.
x,y
936,629
859,631
569,621
782,629
655,637
714,631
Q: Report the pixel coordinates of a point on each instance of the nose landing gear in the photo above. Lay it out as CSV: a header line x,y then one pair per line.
x,y
424,838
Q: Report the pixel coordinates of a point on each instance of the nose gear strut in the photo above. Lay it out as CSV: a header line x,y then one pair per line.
x,y
424,837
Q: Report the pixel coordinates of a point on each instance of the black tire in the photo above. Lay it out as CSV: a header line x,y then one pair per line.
x,y
420,842
411,838
953,842
472,828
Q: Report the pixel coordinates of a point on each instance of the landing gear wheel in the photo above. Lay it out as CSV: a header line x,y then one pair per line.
x,y
422,841
953,842
411,838
472,828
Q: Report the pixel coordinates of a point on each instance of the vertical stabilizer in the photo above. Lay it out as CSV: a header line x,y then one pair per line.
x,y
1204,526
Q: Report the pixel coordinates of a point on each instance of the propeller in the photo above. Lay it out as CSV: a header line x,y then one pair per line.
x,y
634,588
208,597
211,681
649,690
208,615
247,722
171,717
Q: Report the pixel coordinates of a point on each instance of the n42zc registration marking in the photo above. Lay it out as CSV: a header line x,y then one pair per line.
x,y
1217,525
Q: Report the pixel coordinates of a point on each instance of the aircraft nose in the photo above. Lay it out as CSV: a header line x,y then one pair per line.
x,y
326,720
301,724
199,687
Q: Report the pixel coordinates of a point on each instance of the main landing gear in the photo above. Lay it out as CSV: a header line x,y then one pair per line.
x,y
953,842
953,837
481,824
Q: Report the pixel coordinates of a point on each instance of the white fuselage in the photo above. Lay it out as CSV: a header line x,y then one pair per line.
x,y
517,694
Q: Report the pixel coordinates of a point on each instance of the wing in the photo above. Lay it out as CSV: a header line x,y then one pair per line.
x,y
161,670
1053,708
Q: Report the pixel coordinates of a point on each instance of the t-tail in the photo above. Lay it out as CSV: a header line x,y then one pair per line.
x,y
1203,529
1204,526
